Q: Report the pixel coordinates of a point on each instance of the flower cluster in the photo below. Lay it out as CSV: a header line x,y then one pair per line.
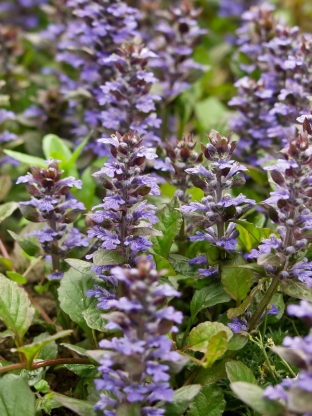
x,y
6,135
177,33
268,106
123,221
135,367
128,103
297,351
217,208
21,12
47,114
51,203
229,8
290,208
95,31
182,156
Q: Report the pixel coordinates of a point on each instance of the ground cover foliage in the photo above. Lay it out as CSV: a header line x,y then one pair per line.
x,y
155,208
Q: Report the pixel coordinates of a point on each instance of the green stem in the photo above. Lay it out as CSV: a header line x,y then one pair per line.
x,y
263,304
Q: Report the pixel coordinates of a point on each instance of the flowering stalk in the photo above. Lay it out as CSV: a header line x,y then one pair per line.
x,y
268,106
134,367
175,36
52,204
216,209
117,220
126,97
290,208
96,31
297,351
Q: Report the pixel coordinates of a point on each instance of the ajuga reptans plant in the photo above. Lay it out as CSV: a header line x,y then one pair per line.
x,y
134,367
52,204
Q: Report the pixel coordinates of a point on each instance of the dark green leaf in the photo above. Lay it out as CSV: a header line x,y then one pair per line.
x,y
237,342
16,398
81,407
169,223
181,265
76,348
83,370
80,265
252,395
208,296
181,400
15,307
208,402
238,371
236,281
30,248
73,299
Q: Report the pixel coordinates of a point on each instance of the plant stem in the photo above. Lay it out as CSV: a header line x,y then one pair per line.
x,y
263,304
45,363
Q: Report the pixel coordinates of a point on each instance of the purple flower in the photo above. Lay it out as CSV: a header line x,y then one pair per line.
x,y
144,326
237,325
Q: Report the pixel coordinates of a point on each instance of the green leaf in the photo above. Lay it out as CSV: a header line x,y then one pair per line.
x,y
42,386
87,192
77,152
181,265
83,370
80,265
162,263
169,223
208,296
16,277
6,210
5,186
15,308
236,281
55,148
81,407
31,351
253,396
206,376
181,400
25,158
73,299
30,248
297,290
217,346
49,351
213,255
202,334
237,342
128,409
249,235
146,231
76,348
211,112
208,402
16,398
108,258
238,371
